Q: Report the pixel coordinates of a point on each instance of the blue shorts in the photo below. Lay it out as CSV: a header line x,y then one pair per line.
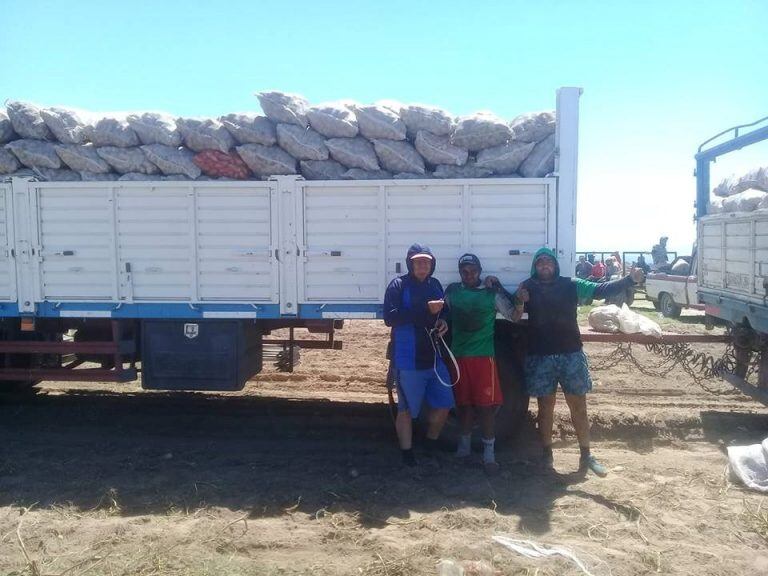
x,y
415,386
571,371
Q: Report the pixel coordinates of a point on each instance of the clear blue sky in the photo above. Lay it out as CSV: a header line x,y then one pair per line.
x,y
658,77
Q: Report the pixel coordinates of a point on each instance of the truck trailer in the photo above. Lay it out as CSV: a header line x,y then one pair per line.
x,y
182,280
732,257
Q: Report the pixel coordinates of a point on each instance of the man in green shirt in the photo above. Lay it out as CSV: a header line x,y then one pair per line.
x,y
472,312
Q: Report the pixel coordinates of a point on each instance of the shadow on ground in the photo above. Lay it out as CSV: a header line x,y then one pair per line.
x,y
152,453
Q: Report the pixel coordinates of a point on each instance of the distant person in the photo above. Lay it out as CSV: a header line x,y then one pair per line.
x,y
583,268
642,264
617,261
659,253
591,259
598,270
611,268
413,308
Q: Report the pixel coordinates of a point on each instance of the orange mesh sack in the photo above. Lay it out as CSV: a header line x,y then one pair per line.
x,y
217,164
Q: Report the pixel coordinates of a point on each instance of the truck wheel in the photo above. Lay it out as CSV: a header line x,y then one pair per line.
x,y
668,307
510,345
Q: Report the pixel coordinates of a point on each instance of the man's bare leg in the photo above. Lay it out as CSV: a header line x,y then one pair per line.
x,y
404,428
466,419
488,427
546,419
580,420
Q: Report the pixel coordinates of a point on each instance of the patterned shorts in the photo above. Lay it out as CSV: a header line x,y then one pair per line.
x,y
571,371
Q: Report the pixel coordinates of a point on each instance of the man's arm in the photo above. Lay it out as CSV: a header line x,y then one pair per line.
x,y
601,290
395,314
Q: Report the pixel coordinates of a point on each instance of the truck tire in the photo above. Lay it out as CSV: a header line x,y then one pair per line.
x,y
510,347
668,307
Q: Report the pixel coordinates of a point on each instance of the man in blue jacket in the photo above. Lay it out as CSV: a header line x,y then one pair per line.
x,y
412,307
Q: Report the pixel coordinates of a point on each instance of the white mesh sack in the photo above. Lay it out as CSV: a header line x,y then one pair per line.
x,y
250,128
126,160
267,160
439,150
353,152
155,128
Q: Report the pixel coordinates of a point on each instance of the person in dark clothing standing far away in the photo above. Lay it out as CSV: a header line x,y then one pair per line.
x,y
413,304
472,315
583,268
555,352
659,254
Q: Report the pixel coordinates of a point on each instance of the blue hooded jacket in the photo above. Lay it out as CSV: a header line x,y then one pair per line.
x,y
406,311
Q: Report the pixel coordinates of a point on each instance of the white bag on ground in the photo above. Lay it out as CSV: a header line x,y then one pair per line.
x,y
333,120
35,153
631,322
605,318
301,143
533,127
267,160
155,128
27,121
201,134
398,156
172,160
469,170
746,201
750,465
284,107
250,128
353,152
8,162
113,131
433,120
322,169
504,159
541,160
360,174
126,160
7,132
66,125
480,130
96,177
82,158
439,150
379,122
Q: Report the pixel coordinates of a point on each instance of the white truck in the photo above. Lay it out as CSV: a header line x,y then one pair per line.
x,y
670,292
186,277
732,259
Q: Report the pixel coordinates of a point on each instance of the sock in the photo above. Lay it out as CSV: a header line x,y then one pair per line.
x,y
430,444
585,452
488,455
465,445
408,458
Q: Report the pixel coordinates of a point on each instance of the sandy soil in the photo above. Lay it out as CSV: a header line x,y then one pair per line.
x,y
299,474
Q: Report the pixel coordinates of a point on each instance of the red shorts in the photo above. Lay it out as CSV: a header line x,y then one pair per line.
x,y
478,383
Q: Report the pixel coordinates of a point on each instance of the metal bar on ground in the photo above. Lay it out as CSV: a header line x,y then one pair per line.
x,y
307,344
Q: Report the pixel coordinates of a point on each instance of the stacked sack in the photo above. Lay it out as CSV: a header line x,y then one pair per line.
x,y
333,141
746,193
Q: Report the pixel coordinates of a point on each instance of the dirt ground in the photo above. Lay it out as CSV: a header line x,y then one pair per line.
x,y
299,474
